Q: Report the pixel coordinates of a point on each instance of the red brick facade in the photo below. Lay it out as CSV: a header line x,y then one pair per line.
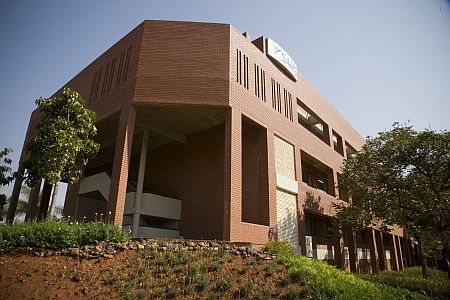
x,y
218,92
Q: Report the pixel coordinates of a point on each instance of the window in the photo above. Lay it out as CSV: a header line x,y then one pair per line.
x,y
322,184
351,152
337,143
309,226
316,174
307,177
308,119
325,228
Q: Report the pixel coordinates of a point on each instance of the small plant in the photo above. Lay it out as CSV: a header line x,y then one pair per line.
x,y
215,266
201,282
224,285
243,270
245,290
270,270
173,291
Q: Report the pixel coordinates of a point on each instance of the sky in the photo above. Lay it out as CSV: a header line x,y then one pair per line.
x,y
378,62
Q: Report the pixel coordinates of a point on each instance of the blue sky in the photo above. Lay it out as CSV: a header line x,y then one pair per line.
x,y
377,61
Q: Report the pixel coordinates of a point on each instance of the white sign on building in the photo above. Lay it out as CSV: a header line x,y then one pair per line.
x,y
279,55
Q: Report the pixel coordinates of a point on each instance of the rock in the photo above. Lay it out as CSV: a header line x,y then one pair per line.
x,y
108,256
252,252
242,249
140,247
214,244
74,251
102,245
34,253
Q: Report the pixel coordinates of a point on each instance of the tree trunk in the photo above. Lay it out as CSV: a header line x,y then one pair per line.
x,y
423,259
51,212
446,254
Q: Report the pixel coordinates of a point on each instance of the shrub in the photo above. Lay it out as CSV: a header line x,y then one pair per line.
x,y
58,234
280,248
437,285
331,283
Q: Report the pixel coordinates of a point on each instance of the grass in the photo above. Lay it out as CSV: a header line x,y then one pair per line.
x,y
58,234
327,282
436,286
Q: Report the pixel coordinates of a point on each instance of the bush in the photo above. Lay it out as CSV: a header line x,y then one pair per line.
x,y
327,282
54,234
331,283
436,286
280,248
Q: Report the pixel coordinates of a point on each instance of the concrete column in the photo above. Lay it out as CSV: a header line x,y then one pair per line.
x,y
15,194
233,175
45,199
140,183
393,252
33,202
352,255
70,203
271,178
300,200
399,253
122,153
373,251
380,250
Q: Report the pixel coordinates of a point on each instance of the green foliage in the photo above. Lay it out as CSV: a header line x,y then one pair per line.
x,y
400,177
64,142
436,286
52,234
280,247
327,282
224,284
6,175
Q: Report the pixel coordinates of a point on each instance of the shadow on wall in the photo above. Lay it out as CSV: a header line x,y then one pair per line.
x,y
313,203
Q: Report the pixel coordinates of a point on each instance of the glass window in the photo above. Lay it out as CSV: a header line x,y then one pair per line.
x,y
307,177
321,184
309,226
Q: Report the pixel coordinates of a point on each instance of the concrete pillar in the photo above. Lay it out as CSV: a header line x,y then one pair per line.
x,y
380,250
122,153
15,194
300,200
233,175
393,252
140,183
399,253
33,202
373,251
45,199
71,201
352,250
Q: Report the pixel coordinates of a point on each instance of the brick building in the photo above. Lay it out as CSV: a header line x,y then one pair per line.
x,y
206,134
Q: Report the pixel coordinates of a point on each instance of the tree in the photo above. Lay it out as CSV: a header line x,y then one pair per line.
x,y
6,175
64,142
22,204
401,177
